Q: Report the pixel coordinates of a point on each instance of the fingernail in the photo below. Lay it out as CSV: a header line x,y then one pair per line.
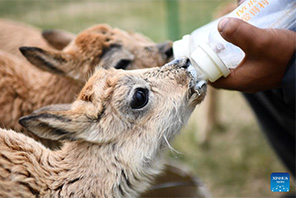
x,y
222,23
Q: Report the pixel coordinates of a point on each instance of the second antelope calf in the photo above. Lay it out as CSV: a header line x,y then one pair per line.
x,y
114,134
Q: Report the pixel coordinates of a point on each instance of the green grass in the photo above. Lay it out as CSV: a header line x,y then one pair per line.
x,y
238,160
147,17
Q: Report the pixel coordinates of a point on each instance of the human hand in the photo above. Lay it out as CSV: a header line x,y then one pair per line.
x,y
268,52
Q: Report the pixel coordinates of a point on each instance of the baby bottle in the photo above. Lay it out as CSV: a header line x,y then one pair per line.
x,y
212,56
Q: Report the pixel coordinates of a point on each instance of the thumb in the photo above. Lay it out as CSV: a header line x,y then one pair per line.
x,y
241,34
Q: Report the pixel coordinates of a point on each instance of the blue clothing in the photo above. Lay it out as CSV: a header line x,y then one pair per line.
x,y
275,111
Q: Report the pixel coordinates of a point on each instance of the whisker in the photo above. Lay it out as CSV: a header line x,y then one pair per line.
x,y
173,151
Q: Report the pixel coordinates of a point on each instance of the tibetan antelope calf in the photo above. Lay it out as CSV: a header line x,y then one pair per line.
x,y
114,134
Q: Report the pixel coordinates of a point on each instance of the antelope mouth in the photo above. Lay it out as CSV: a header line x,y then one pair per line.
x,y
196,85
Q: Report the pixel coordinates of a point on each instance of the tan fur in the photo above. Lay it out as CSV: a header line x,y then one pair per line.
x,y
15,34
23,90
62,74
111,149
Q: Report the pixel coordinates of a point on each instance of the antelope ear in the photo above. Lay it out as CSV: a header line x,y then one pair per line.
x,y
45,60
56,122
117,57
58,39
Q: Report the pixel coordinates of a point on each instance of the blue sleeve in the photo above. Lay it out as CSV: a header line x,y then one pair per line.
x,y
288,83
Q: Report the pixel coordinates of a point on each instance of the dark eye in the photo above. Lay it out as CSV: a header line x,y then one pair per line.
x,y
140,98
122,64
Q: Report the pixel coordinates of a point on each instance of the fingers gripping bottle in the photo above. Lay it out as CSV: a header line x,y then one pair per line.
x,y
212,56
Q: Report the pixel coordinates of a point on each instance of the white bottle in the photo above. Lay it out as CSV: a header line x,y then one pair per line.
x,y
212,56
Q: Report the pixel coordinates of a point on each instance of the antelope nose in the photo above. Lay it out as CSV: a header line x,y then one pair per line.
x,y
183,62
186,63
180,63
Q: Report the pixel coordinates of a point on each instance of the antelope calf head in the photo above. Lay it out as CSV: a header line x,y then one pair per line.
x,y
117,104
98,46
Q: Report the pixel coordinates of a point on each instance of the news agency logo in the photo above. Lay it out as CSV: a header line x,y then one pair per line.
x,y
280,182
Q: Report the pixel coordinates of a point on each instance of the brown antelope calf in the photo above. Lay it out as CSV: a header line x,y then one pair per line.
x,y
114,134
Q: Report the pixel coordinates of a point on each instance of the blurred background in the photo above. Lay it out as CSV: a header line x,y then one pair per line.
x,y
235,160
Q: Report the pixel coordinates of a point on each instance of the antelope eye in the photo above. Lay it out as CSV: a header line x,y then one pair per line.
x,y
140,98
